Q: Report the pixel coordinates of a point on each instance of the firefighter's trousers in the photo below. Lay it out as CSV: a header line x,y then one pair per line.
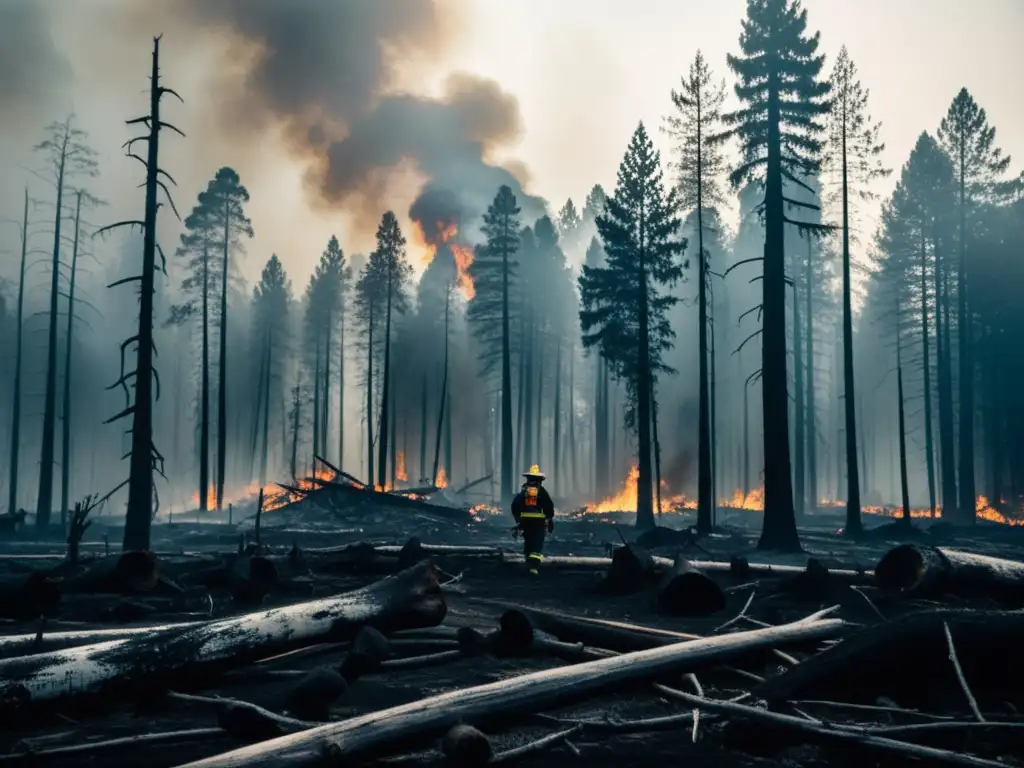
x,y
533,529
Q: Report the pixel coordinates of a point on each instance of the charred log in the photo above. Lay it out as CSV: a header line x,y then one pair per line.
x,y
907,660
685,591
191,656
374,732
919,570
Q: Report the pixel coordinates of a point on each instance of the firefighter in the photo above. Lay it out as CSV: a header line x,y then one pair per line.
x,y
534,513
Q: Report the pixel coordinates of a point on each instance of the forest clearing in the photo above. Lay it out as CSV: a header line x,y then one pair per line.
x,y
723,467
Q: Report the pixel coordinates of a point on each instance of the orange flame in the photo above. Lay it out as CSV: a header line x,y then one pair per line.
x,y
625,499
441,481
463,254
463,259
400,473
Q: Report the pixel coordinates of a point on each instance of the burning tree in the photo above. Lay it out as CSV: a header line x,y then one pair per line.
x,y
144,456
623,312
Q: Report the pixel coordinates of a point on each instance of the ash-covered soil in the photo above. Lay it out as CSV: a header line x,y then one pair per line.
x,y
478,590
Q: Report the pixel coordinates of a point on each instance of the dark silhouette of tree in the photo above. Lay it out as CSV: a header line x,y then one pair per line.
x,y
81,197
12,482
67,157
227,198
491,311
197,247
144,456
595,258
778,129
593,206
978,164
271,303
569,222
910,241
390,260
323,303
700,167
624,304
854,155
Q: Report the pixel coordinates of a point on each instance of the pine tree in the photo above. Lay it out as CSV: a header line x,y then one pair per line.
x,y
854,155
67,156
700,167
569,222
390,259
624,304
491,311
978,164
779,131
227,200
271,304
202,272
909,239
19,331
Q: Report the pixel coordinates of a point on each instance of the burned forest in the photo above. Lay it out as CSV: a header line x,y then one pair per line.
x,y
451,383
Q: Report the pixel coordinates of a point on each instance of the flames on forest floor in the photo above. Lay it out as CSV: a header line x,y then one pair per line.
x,y
626,498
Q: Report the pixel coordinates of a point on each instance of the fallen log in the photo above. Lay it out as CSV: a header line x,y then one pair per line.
x,y
375,732
907,660
193,655
686,591
925,571
598,633
755,570
632,568
29,644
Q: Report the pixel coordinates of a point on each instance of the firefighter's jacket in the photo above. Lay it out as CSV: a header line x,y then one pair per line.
x,y
532,503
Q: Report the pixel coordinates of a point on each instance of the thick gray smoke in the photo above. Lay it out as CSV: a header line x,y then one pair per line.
x,y
325,70
33,70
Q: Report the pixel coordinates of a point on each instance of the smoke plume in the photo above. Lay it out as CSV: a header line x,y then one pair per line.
x,y
328,74
32,70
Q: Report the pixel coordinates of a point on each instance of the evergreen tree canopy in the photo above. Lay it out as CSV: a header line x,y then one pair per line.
x,y
700,163
778,81
644,256
271,298
593,206
854,147
495,276
568,222
969,141
198,250
227,198
624,304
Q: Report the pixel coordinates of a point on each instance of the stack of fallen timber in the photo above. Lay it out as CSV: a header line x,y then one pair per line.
x,y
189,654
432,716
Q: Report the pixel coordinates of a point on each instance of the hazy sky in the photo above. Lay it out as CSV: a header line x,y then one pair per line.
x,y
583,71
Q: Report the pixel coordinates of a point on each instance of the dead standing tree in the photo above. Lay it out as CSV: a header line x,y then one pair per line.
x,y
144,457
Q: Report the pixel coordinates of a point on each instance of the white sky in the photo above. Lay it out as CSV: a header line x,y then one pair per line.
x,y
585,71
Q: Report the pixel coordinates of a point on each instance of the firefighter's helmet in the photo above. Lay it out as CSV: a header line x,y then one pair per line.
x,y
534,473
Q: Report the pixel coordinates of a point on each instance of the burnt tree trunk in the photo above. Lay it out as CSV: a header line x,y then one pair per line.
x,y
12,480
